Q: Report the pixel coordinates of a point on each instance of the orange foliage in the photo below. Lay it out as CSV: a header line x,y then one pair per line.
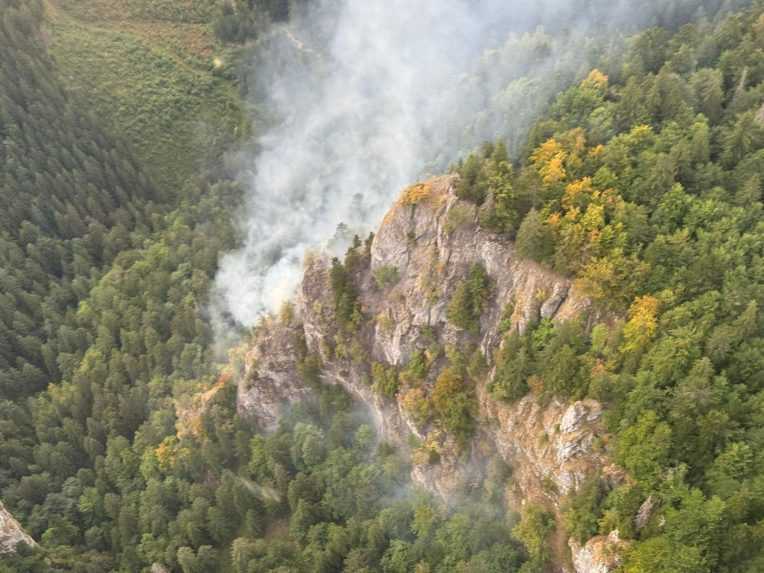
x,y
415,194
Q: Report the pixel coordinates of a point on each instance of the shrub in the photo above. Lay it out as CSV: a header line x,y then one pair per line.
x,y
454,403
417,404
385,379
346,306
534,238
514,366
386,276
584,509
533,530
416,370
460,214
466,306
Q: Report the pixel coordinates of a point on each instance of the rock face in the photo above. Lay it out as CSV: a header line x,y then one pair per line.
x,y
425,246
271,381
599,555
11,533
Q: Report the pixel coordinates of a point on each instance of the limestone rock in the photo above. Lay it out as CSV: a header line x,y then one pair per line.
x,y
271,382
645,512
11,532
600,554
429,240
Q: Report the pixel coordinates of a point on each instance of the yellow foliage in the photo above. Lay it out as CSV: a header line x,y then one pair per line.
x,y
166,453
571,215
640,134
597,278
596,151
642,323
577,193
594,218
549,159
596,79
429,452
554,171
546,151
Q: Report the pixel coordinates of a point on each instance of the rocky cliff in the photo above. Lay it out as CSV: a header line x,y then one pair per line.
x,y
420,255
11,533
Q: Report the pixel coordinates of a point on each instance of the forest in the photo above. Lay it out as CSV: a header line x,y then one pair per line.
x,y
642,182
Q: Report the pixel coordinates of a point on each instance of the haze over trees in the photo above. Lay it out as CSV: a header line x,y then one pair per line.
x,y
643,183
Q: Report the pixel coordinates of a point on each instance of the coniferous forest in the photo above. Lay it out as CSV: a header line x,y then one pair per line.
x,y
642,182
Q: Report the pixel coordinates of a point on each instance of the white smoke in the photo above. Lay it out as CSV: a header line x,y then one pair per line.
x,y
369,95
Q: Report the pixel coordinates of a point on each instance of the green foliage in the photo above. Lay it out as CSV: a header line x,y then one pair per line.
x,y
385,379
346,306
186,11
237,22
644,187
640,178
647,192
153,82
114,276
486,180
416,369
386,276
555,355
514,365
65,220
471,184
559,360
534,238
583,510
533,530
453,398
469,299
339,510
643,448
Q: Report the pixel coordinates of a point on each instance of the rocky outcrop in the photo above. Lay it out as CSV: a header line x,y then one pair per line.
x,y
551,449
432,240
11,533
271,381
600,554
425,247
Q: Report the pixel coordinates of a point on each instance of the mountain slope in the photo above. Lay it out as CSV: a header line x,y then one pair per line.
x,y
644,190
578,330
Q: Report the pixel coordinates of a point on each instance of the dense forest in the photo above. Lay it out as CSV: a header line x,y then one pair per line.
x,y
120,445
644,183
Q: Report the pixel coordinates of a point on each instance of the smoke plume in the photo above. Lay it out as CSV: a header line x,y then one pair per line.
x,y
367,96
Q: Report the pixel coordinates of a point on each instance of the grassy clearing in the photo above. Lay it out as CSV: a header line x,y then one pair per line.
x,y
152,81
189,11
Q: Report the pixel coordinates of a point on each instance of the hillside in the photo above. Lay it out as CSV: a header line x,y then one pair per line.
x,y
620,385
543,360
156,75
107,249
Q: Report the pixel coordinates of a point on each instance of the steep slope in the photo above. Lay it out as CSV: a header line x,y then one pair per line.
x,y
156,76
643,186
428,242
